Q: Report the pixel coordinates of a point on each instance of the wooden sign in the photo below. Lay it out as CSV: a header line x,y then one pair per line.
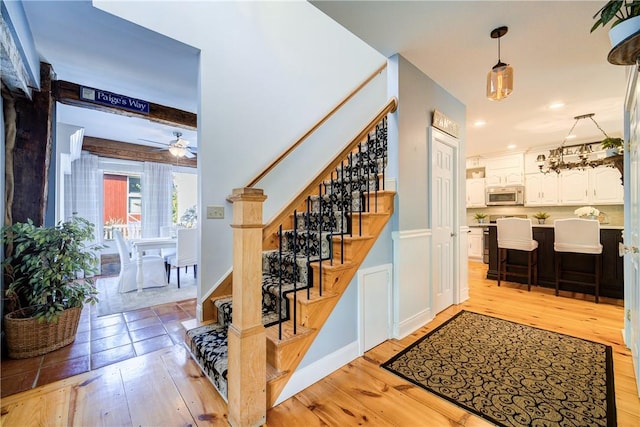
x,y
110,99
445,124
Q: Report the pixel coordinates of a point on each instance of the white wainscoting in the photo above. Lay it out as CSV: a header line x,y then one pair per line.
x,y
374,306
411,281
462,286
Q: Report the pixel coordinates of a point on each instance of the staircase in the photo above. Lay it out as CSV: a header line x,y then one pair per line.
x,y
307,263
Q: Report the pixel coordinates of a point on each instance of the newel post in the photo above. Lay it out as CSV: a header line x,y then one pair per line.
x,y
247,341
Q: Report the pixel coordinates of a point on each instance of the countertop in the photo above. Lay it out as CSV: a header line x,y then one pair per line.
x,y
602,226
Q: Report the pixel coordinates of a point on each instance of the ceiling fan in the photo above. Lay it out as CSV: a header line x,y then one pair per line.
x,y
178,147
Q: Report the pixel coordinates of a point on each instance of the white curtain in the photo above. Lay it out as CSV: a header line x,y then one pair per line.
x,y
83,195
157,185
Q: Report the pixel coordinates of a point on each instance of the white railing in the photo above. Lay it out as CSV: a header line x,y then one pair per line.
x,y
132,230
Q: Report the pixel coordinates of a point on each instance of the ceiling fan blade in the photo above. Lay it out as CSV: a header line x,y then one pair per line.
x,y
154,142
189,155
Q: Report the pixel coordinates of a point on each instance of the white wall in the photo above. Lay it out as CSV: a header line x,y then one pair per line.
x,y
268,71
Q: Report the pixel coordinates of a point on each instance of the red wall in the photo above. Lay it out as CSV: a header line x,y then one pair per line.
x,y
115,198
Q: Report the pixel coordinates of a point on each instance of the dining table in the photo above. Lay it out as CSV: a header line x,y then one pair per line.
x,y
139,246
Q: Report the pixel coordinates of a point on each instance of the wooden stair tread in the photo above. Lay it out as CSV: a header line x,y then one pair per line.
x,y
287,333
273,373
194,323
349,238
314,296
326,265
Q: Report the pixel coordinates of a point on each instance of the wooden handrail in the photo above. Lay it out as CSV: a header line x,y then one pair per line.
x,y
275,222
313,128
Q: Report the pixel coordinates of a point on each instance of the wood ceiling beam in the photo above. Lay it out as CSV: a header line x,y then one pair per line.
x,y
69,93
125,151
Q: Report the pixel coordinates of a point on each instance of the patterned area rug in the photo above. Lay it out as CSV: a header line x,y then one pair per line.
x,y
111,301
513,374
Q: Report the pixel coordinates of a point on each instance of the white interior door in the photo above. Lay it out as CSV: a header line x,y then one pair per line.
x,y
632,224
443,152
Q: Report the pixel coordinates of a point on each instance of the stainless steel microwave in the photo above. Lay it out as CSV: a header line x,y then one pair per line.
x,y
507,196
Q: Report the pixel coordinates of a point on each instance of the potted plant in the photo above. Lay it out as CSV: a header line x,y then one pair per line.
x,y
479,216
48,271
624,17
612,146
541,217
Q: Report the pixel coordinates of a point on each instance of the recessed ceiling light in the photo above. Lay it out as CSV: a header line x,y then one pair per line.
x,y
556,105
479,123
571,136
511,146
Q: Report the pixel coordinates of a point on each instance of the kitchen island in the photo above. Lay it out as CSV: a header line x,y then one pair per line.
x,y
612,281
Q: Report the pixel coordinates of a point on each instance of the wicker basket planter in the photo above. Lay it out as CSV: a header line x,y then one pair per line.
x,y
27,337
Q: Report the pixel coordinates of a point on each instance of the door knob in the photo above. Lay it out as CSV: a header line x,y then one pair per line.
x,y
453,234
623,249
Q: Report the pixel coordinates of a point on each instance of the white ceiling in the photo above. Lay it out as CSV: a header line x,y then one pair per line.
x,y
90,47
554,56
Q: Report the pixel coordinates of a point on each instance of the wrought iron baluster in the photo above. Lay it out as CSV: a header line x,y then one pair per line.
x,y
280,284
343,195
320,234
349,192
308,249
295,270
368,170
360,198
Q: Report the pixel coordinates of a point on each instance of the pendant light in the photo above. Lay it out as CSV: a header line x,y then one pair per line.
x,y
500,77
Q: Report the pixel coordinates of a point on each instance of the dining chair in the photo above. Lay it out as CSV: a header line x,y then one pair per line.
x,y
186,252
165,253
515,234
578,236
152,268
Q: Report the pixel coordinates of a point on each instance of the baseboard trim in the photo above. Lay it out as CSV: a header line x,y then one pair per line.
x,y
310,374
412,324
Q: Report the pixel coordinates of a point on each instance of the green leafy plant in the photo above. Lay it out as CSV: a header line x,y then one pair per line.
x,y
480,216
541,215
609,142
49,269
615,12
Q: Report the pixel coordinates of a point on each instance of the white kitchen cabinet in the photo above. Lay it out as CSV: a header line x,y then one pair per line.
x,y
505,170
606,186
475,193
475,162
574,187
476,244
541,189
597,186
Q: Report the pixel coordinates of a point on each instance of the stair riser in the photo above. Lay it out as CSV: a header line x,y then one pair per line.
x,y
313,244
291,272
281,356
350,248
311,312
330,277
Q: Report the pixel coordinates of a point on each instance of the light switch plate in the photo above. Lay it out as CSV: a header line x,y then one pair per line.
x,y
215,212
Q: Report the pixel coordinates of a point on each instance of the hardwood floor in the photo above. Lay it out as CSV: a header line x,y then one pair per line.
x,y
166,388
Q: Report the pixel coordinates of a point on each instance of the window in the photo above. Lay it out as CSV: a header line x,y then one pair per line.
x,y
122,204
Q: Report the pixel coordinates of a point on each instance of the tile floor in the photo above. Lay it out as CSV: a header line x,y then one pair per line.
x,y
101,341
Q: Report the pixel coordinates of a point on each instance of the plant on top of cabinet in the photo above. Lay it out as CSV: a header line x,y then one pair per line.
x,y
613,146
541,217
479,216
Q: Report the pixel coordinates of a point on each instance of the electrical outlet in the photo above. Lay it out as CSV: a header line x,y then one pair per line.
x,y
215,212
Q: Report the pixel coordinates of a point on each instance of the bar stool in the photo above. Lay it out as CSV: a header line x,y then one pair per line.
x,y
578,236
516,234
